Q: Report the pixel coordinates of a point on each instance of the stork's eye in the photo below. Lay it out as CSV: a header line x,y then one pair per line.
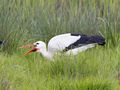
x,y
37,43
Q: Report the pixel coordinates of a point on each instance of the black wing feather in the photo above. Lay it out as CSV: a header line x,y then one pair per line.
x,y
84,40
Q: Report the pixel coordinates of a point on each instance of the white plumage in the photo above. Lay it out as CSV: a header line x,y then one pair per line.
x,y
60,42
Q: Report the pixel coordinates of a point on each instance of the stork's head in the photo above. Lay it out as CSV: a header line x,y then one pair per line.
x,y
38,46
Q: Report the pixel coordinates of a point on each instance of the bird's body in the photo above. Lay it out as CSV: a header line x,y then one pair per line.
x,y
68,43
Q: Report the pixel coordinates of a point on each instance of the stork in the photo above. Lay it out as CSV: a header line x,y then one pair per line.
x,y
68,43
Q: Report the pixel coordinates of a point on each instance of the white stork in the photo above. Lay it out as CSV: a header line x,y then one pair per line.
x,y
68,43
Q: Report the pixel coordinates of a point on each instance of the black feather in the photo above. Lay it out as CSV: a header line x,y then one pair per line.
x,y
84,40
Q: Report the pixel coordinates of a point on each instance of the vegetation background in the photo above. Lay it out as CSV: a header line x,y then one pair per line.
x,y
26,21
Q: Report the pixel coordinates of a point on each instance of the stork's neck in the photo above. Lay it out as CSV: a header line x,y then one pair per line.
x,y
47,54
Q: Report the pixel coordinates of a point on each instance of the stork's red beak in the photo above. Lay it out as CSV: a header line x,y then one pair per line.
x,y
29,46
33,50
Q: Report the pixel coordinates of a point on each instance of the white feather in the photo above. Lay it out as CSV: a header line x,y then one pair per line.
x,y
60,42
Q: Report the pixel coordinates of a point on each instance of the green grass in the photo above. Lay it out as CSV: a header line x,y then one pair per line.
x,y
26,21
95,69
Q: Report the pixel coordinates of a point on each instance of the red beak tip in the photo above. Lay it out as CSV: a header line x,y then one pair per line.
x,y
33,50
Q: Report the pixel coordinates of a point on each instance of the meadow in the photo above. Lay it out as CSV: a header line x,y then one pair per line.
x,y
27,21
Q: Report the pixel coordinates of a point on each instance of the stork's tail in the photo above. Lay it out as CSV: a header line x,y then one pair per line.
x,y
98,39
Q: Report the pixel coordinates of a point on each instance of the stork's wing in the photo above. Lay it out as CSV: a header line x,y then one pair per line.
x,y
69,41
85,40
60,42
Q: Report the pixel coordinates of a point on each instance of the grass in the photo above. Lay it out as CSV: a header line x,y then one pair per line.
x,y
95,69
27,21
